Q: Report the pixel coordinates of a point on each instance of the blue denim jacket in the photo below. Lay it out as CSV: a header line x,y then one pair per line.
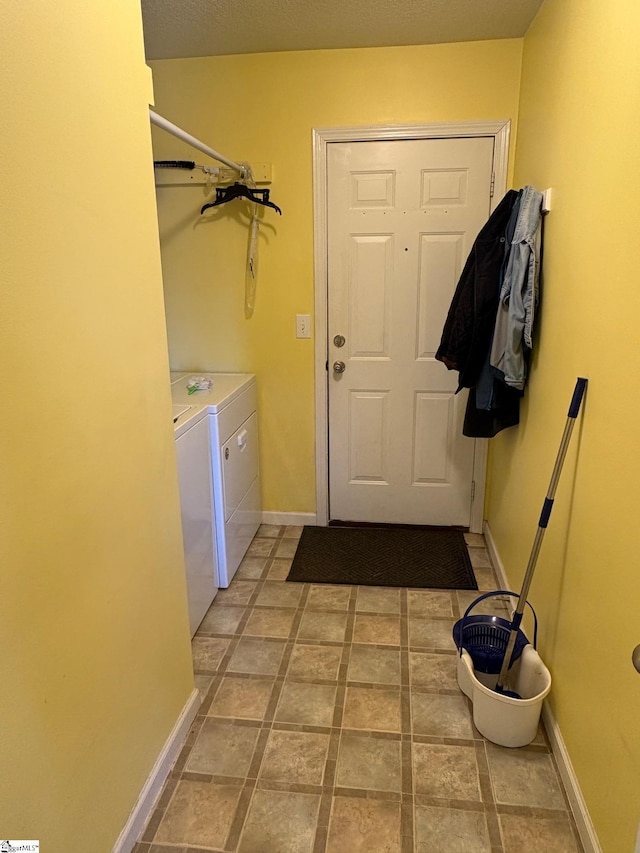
x,y
519,294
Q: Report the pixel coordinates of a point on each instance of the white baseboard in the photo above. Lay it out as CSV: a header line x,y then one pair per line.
x,y
153,786
561,754
498,565
295,519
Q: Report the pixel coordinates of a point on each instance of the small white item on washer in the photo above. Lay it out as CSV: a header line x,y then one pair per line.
x,y
198,383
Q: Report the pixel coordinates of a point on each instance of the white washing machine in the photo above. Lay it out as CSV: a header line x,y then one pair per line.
x,y
193,456
231,403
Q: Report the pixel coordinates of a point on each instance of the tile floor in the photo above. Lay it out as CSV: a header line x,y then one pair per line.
x,y
331,722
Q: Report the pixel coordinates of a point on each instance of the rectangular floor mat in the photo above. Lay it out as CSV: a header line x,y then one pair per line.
x,y
434,558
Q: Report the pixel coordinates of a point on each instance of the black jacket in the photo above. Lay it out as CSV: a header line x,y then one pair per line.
x,y
468,330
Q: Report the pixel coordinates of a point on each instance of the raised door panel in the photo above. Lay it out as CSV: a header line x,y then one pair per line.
x,y
370,273
368,436
432,437
439,270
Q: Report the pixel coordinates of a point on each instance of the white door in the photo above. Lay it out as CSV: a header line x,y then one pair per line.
x,y
402,217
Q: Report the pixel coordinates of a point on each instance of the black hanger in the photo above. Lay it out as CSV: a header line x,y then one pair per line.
x,y
237,190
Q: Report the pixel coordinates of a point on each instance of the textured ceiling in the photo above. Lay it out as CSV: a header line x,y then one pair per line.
x,y
183,28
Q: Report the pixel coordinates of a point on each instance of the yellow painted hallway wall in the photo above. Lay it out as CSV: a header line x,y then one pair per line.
x,y
579,133
260,108
95,661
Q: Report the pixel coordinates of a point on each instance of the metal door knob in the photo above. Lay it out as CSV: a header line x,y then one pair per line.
x,y
339,340
339,367
635,657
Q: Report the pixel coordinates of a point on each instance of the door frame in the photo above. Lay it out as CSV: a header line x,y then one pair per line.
x,y
322,138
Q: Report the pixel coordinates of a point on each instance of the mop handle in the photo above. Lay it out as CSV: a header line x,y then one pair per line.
x,y
574,408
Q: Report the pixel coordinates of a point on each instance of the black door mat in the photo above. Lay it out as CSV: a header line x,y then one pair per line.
x,y
431,558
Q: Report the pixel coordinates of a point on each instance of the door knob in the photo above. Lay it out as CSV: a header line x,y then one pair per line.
x,y
339,367
635,657
339,340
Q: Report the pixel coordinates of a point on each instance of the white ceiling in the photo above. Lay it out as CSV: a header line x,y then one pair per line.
x,y
183,28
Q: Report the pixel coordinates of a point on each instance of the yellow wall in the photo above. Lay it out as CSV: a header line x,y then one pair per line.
x,y
579,133
95,660
263,107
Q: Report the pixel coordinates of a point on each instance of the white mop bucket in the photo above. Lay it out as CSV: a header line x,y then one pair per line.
x,y
500,718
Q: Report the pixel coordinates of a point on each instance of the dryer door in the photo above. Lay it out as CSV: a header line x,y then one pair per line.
x,y
239,464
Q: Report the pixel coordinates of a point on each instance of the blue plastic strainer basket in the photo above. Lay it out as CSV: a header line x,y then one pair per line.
x,y
485,638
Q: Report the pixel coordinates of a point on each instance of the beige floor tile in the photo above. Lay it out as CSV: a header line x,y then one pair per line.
x,y
433,671
286,548
374,666
328,597
202,683
486,579
373,710
306,704
293,531
251,568
261,547
257,656
279,570
266,531
428,603
221,619
474,540
369,763
318,625
450,831
495,606
378,599
364,826
480,558
431,633
320,663
450,772
297,758
242,698
270,622
383,630
524,778
534,834
280,822
274,594
200,814
238,593
208,652
440,715
223,749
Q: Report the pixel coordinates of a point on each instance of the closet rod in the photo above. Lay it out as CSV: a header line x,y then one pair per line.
x,y
195,143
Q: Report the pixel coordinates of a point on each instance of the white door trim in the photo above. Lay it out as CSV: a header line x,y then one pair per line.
x,y
322,137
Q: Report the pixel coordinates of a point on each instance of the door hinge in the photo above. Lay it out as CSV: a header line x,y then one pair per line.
x,y
493,184
473,490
